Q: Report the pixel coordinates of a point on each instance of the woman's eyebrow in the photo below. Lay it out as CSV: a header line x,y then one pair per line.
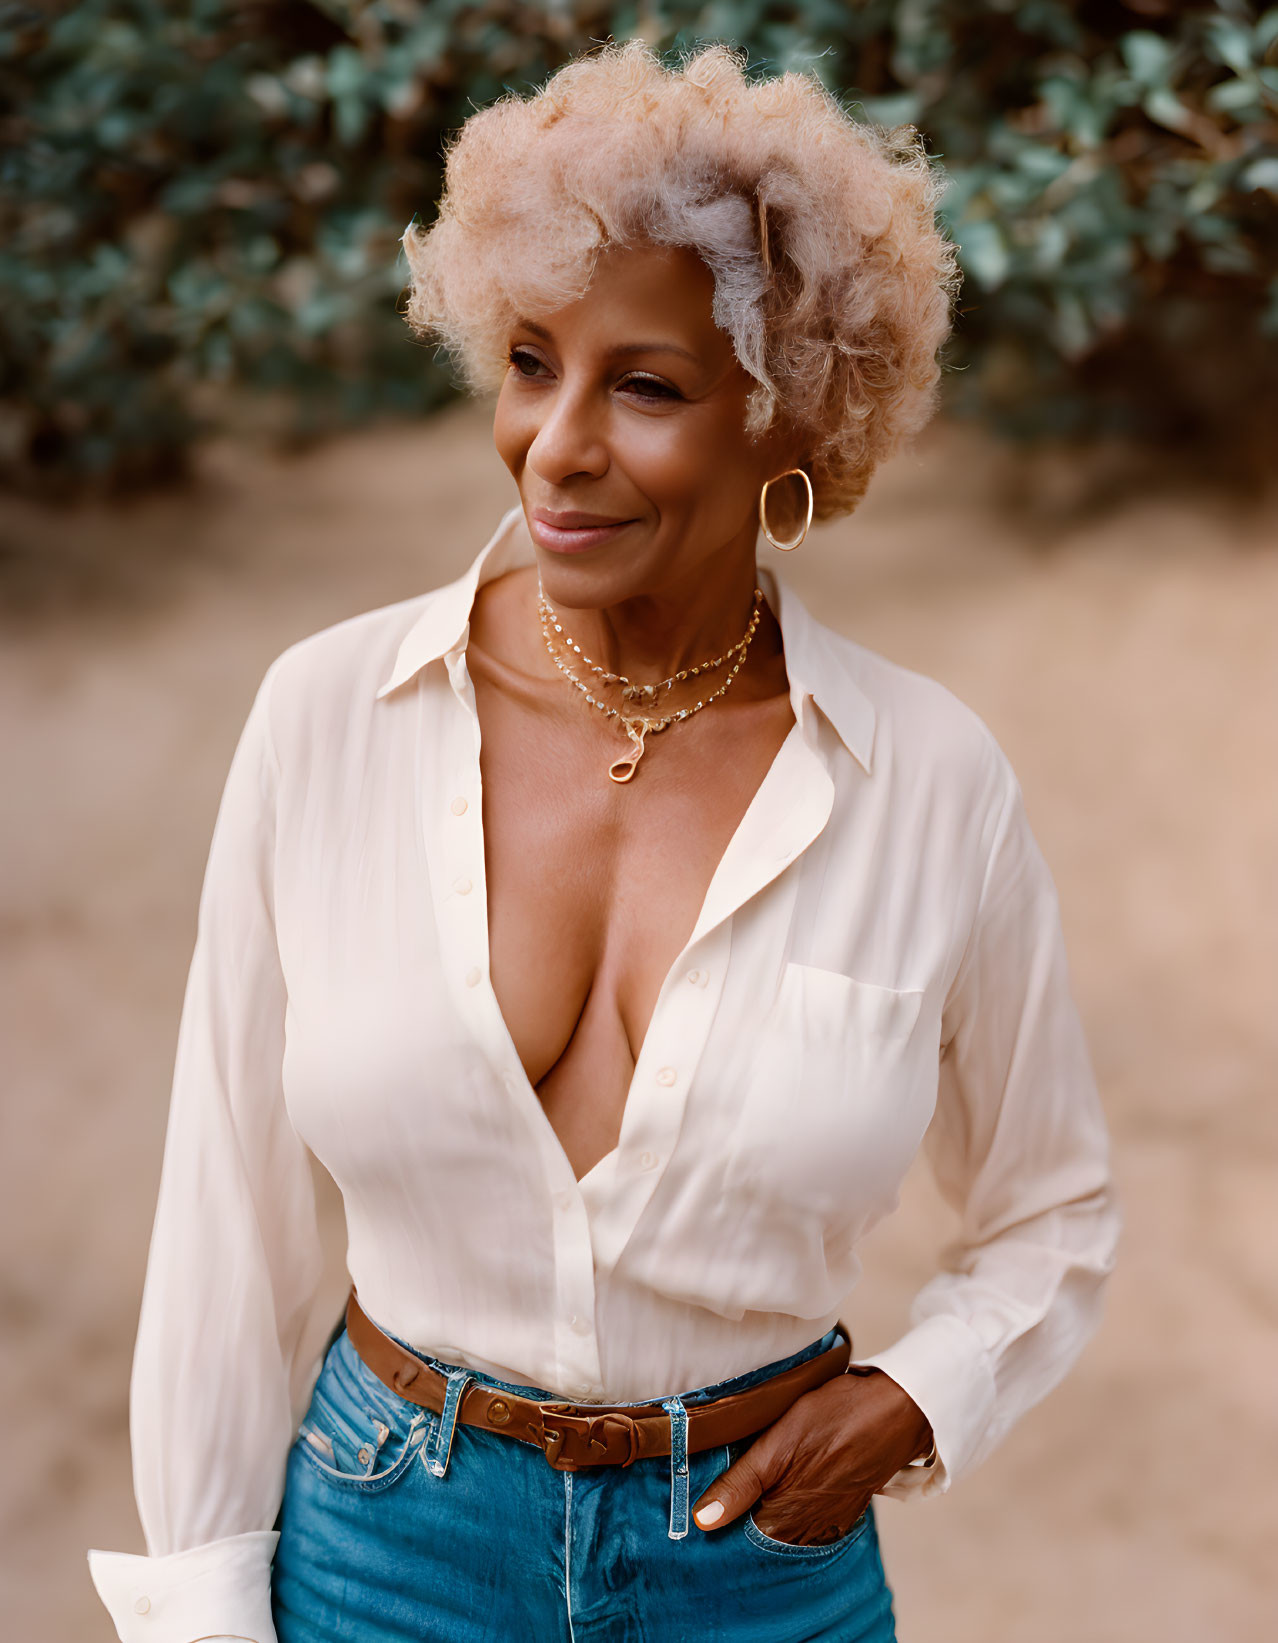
x,y
620,348
654,348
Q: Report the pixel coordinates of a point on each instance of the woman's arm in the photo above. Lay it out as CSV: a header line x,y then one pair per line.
x,y
1019,1148
226,1340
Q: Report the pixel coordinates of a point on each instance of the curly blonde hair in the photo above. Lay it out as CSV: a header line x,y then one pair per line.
x,y
831,277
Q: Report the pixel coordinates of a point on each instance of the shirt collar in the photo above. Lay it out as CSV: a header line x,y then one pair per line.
x,y
817,659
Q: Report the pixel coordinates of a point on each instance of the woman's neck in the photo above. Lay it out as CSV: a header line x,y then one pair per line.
x,y
650,638
647,640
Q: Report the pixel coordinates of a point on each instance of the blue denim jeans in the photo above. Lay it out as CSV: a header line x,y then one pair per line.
x,y
401,1526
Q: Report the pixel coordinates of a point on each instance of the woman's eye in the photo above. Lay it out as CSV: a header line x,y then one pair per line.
x,y
651,388
642,387
525,363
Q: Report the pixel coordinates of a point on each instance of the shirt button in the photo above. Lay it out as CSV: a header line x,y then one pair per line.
x,y
563,1199
463,887
474,977
142,1606
580,1388
458,806
647,1160
667,1076
579,1325
694,976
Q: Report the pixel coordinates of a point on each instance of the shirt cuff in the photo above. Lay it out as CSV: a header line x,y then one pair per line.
x,y
945,1369
220,1589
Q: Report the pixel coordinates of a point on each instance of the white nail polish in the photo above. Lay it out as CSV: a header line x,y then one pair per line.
x,y
710,1513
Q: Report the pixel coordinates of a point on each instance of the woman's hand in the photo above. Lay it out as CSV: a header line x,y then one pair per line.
x,y
818,1465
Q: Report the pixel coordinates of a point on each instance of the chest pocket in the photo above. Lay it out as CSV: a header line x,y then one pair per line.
x,y
818,1004
839,1083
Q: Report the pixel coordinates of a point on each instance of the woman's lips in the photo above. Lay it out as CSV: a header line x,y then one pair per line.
x,y
573,538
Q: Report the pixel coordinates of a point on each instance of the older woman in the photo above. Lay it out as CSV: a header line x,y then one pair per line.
x,y
615,934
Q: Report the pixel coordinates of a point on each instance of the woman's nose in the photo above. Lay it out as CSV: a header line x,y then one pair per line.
x,y
569,439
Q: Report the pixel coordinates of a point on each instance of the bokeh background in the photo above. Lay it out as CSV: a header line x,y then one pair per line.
x,y
217,435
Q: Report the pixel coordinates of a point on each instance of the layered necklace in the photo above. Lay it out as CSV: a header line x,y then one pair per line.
x,y
638,725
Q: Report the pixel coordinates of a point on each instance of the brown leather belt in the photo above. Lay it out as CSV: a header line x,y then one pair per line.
x,y
574,1434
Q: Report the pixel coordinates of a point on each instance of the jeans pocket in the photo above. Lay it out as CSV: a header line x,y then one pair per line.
x,y
786,1548
352,1437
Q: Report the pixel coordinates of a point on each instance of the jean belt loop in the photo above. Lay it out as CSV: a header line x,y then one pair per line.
x,y
442,1442
678,1466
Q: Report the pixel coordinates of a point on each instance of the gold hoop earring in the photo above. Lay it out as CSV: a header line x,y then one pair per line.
x,y
785,547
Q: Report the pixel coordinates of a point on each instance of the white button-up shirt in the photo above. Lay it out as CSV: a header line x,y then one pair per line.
x,y
877,966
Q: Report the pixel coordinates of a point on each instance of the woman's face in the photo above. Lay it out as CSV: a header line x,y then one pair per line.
x,y
625,411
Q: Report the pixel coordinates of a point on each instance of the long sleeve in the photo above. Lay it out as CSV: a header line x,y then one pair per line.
x,y
226,1344
1019,1148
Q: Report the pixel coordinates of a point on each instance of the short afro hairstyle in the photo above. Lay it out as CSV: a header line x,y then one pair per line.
x,y
831,275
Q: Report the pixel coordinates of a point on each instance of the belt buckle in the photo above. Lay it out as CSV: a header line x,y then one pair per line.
x,y
593,1430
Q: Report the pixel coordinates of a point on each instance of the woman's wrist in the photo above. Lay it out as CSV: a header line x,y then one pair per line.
x,y
923,1453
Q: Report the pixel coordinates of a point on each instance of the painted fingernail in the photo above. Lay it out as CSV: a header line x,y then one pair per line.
x,y
710,1513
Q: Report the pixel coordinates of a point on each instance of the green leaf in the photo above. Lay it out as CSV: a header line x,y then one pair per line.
x,y
1261,173
1164,108
900,109
1265,31
1148,56
983,253
1231,44
1236,97
348,75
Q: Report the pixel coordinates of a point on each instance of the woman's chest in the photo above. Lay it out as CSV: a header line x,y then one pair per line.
x,y
593,887
787,985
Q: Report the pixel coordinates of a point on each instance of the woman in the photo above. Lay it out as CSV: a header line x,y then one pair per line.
x,y
615,934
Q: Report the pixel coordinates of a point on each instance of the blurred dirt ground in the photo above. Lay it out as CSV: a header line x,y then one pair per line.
x,y
1124,654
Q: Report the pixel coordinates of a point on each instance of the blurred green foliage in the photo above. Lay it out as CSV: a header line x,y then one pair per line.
x,y
201,204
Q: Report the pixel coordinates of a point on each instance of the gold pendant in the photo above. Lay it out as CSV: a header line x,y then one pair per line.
x,y
622,769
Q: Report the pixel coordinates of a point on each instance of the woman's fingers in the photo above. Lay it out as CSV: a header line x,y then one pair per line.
x,y
732,1492
770,1459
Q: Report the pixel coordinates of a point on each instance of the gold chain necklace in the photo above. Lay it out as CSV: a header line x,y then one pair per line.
x,y
637,726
